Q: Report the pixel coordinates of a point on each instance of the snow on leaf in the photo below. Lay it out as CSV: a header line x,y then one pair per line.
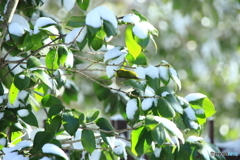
x,y
169,125
113,53
53,149
68,4
110,70
175,77
147,103
108,15
21,21
152,71
131,18
164,72
131,108
194,138
42,21
95,154
1,115
141,73
194,96
190,113
194,125
23,112
16,29
77,34
140,30
93,19
119,148
199,111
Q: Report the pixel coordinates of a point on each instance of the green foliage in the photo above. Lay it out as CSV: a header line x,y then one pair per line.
x,y
47,78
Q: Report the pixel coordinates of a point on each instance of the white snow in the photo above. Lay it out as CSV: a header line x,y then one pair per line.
x,y
190,113
194,96
174,76
1,115
170,126
110,70
113,53
152,71
18,69
157,152
164,72
119,148
22,76
53,149
68,4
131,18
199,111
77,136
118,60
95,154
77,34
140,30
51,29
21,21
164,94
108,15
21,145
23,112
194,139
147,103
141,73
16,29
95,16
194,125
131,108
3,141
42,21
22,94
111,141
182,100
14,155
93,19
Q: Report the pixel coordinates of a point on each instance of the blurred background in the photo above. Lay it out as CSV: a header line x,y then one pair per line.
x,y
199,38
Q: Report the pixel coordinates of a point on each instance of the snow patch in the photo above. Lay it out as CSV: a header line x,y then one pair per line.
x,y
131,108
16,29
194,96
131,18
190,113
23,112
152,72
147,103
194,139
53,149
77,34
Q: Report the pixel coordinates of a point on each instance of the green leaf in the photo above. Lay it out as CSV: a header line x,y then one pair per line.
x,y
43,76
135,84
101,92
171,99
141,59
42,138
167,153
158,134
104,124
51,59
21,81
30,119
165,109
109,29
98,40
13,93
83,4
153,83
132,46
143,18
88,140
92,115
49,100
174,77
1,89
71,123
55,109
53,124
204,104
76,21
141,141
142,42
150,122
65,57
